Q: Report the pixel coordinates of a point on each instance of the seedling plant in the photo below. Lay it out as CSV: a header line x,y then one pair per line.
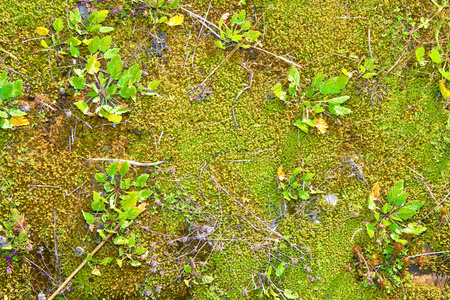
x,y
8,90
120,202
238,31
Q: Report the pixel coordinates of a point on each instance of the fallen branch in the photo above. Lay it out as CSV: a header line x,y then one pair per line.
x,y
131,162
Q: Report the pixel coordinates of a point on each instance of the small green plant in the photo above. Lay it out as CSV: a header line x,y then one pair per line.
x,y
392,214
312,108
16,239
290,187
109,212
238,32
391,236
9,90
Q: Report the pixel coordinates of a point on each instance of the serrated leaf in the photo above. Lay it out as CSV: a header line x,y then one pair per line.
x,y
130,200
307,176
127,92
175,20
414,205
303,195
75,16
405,213
82,106
93,65
94,45
17,88
5,124
105,42
42,31
77,82
112,169
115,66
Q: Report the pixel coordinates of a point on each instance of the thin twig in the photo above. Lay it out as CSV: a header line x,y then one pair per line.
x,y
131,162
83,263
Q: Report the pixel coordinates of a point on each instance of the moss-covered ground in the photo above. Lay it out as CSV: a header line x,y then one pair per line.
x,y
225,152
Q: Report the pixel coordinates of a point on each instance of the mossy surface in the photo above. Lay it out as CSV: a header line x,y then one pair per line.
x,y
225,152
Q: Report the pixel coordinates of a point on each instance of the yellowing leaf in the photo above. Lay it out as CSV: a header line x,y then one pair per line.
x,y
93,65
87,42
19,121
176,20
346,73
44,44
321,125
114,118
42,31
142,207
445,93
96,272
375,194
280,174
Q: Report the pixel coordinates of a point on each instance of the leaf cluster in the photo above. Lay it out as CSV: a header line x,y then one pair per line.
x,y
9,90
238,31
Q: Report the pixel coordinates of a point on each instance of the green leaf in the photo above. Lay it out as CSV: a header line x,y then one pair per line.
x,y
399,184
100,177
307,176
144,194
106,261
93,28
414,205
278,91
111,53
280,269
394,193
88,217
77,82
435,56
141,180
112,90
119,262
401,199
338,100
15,112
74,51
187,269
115,66
317,109
294,76
112,169
129,201
93,65
94,45
104,29
74,41
82,106
135,73
17,88
339,110
153,85
406,213
219,44
414,228
6,91
58,25
75,17
289,294
127,92
98,205
5,124
139,251
252,36
269,272
121,240
370,229
101,16
174,4
124,168
371,205
303,195
130,214
105,42
3,114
